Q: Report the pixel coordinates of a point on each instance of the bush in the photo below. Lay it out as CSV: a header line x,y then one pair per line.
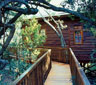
x,y
32,37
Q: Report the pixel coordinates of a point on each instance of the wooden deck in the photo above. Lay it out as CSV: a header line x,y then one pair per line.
x,y
60,74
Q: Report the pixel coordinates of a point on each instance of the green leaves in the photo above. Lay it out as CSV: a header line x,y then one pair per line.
x,y
31,34
71,16
32,37
93,31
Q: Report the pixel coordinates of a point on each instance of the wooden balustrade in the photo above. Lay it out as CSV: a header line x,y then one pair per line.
x,y
37,72
78,75
66,55
58,54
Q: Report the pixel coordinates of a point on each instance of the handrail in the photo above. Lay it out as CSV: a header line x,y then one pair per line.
x,y
66,54
79,77
38,65
58,53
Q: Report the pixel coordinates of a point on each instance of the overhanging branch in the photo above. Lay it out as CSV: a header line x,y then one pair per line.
x,y
60,9
46,21
8,40
23,11
10,22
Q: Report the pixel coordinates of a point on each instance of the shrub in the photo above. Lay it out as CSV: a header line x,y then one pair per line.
x,y
32,37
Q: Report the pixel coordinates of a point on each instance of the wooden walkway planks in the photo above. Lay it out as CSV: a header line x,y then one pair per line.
x,y
60,74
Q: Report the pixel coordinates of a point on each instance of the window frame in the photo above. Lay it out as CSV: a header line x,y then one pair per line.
x,y
78,28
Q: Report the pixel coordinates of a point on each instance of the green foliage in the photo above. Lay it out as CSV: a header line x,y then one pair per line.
x,y
27,39
71,17
24,45
93,31
32,37
88,9
32,34
17,67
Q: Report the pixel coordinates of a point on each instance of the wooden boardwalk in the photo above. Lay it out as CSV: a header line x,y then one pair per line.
x,y
60,74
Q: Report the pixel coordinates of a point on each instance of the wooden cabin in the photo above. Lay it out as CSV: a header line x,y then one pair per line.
x,y
76,36
47,72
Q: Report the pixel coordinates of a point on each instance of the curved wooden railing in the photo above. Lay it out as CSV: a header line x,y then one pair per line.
x,y
78,75
37,72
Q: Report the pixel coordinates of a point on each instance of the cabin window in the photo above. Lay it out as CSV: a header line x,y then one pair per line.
x,y
78,35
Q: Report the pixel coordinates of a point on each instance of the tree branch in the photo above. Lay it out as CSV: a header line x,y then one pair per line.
x,y
63,44
50,25
10,22
52,18
58,9
23,11
40,4
6,2
8,40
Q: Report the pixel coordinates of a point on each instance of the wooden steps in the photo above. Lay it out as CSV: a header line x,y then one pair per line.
x,y
60,74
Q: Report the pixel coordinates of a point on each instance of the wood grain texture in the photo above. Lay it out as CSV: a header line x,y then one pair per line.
x,y
88,39
60,74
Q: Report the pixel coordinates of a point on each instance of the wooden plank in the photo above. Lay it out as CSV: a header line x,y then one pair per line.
x,y
60,74
77,71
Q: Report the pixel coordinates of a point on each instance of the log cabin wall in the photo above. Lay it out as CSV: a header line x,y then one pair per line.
x,y
82,51
52,38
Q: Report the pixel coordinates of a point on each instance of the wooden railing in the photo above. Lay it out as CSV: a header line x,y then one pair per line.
x,y
37,72
66,55
78,75
58,54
